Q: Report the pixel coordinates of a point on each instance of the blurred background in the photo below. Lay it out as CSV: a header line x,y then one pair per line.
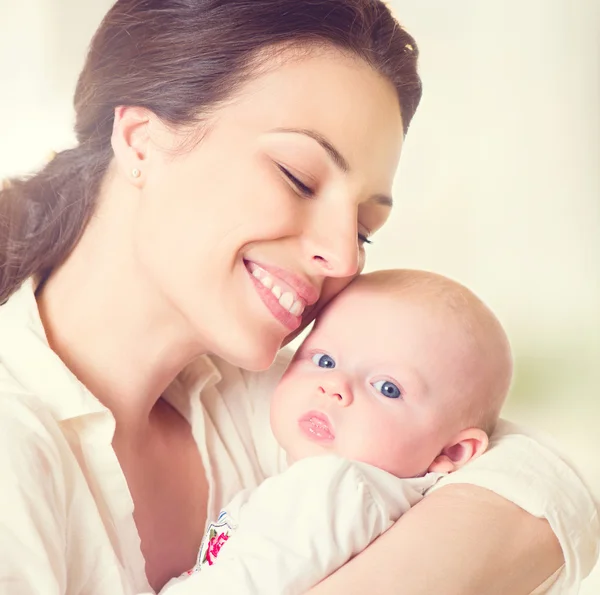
x,y
499,185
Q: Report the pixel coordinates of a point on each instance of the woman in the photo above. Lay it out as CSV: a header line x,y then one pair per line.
x,y
216,137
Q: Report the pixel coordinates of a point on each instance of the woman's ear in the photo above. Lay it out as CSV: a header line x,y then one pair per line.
x,y
131,141
466,446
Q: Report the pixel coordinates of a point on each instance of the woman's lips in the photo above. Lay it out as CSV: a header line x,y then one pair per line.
x,y
287,295
302,289
284,316
284,294
316,426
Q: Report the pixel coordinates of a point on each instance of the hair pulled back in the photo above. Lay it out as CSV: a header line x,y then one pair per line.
x,y
177,58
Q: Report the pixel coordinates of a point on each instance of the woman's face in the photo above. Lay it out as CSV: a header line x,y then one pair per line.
x,y
252,231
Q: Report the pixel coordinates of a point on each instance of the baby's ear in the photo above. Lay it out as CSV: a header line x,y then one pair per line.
x,y
464,447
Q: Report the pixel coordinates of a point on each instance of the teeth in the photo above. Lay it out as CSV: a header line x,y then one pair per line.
x,y
296,309
267,282
286,300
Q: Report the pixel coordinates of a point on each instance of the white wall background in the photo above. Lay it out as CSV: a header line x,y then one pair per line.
x,y
499,185
500,188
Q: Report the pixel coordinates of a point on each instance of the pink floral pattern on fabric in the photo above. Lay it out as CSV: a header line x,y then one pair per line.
x,y
215,538
215,544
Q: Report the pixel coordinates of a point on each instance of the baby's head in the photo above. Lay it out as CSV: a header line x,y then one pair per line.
x,y
405,370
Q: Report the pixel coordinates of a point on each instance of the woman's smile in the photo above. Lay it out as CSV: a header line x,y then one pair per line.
x,y
285,294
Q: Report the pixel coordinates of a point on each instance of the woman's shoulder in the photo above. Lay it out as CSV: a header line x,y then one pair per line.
x,y
29,434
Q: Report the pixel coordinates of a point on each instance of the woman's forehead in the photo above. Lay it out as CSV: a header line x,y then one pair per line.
x,y
338,97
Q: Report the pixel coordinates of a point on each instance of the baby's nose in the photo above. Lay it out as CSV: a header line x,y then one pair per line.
x,y
339,391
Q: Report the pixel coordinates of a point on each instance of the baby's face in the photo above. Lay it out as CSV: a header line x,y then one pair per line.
x,y
376,381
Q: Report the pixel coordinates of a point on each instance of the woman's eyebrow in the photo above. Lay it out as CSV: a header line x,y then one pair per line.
x,y
335,155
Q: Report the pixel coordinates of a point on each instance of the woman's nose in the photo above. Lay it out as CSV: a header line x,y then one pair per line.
x,y
339,391
332,245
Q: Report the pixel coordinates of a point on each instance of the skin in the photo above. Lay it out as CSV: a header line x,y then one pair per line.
x,y
112,315
160,275
405,373
464,529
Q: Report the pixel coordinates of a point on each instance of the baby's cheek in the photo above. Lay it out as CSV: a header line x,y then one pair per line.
x,y
368,441
389,450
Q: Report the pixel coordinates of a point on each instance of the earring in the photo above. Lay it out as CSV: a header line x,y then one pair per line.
x,y
136,173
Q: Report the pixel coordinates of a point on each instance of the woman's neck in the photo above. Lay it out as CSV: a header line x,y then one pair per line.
x,y
120,337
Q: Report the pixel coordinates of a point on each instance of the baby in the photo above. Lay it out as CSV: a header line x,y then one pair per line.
x,y
401,380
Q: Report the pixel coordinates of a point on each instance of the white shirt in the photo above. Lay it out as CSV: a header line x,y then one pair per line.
x,y
66,514
298,527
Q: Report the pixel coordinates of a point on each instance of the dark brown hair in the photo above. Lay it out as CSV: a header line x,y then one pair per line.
x,y
177,58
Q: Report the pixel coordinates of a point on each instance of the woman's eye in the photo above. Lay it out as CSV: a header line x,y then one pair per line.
x,y
323,361
363,239
300,186
387,389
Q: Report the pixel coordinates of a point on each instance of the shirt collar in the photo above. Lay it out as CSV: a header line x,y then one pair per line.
x,y
29,359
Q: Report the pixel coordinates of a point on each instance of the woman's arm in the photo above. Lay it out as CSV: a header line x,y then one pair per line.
x,y
460,540
504,523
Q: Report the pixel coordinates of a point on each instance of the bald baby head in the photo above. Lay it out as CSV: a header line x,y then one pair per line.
x,y
477,347
404,370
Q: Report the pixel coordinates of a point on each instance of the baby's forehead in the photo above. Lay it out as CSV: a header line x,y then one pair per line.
x,y
367,300
371,306
380,299
404,290
411,304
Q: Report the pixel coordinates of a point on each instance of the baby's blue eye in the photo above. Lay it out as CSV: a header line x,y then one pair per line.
x,y
323,361
388,389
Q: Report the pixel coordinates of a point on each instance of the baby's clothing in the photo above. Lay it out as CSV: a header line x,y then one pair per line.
x,y
295,529
66,513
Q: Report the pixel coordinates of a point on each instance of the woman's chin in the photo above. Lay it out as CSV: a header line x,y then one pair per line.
x,y
258,364
254,356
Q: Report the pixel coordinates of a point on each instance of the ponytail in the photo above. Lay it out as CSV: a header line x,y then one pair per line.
x,y
43,216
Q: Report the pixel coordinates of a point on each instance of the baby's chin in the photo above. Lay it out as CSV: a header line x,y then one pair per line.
x,y
306,453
